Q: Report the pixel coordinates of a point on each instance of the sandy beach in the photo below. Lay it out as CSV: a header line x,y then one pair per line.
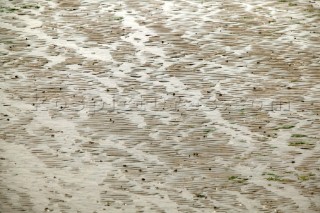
x,y
159,106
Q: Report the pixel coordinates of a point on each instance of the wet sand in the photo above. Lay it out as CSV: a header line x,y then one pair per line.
x,y
159,106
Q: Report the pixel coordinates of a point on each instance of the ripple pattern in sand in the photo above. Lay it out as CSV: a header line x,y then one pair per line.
x,y
159,106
